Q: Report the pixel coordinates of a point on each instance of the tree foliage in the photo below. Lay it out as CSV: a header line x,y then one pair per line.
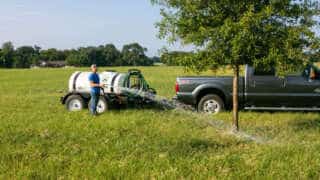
x,y
112,55
53,54
174,58
6,55
260,33
25,56
134,54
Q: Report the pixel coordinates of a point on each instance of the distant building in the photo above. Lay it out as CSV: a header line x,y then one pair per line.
x,y
54,64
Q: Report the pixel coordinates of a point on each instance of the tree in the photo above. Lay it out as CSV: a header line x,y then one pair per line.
x,y
73,59
134,55
7,54
86,56
52,54
314,57
36,55
111,55
155,59
79,57
24,57
1,59
95,56
173,58
261,33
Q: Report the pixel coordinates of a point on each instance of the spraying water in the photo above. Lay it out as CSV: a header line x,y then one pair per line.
x,y
184,109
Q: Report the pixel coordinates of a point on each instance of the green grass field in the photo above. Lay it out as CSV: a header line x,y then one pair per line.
x,y
39,139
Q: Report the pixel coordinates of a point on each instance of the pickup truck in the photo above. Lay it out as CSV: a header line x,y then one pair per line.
x,y
257,91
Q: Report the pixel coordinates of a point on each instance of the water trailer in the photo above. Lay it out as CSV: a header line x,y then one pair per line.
x,y
119,89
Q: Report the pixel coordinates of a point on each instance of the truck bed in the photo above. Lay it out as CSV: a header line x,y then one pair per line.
x,y
191,86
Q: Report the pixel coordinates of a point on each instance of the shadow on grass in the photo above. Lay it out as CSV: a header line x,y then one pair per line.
x,y
306,124
194,146
276,111
156,107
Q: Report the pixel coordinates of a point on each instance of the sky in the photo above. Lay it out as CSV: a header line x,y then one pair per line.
x,y
66,24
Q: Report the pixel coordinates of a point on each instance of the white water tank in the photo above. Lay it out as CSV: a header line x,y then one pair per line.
x,y
113,82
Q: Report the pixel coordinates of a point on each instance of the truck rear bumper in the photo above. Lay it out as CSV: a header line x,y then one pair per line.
x,y
186,98
175,98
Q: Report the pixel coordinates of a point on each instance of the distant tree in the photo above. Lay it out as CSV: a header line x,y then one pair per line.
x,y
24,57
134,55
1,59
73,59
7,55
111,54
155,59
78,58
86,56
95,56
52,54
173,58
66,53
261,33
36,56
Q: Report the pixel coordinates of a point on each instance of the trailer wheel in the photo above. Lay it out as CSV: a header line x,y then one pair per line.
x,y
74,103
102,105
211,104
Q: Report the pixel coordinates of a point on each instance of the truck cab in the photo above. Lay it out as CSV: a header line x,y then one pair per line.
x,y
266,90
258,90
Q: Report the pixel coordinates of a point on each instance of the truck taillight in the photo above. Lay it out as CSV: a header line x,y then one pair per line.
x,y
177,87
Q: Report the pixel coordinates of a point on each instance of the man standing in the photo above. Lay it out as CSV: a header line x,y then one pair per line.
x,y
95,89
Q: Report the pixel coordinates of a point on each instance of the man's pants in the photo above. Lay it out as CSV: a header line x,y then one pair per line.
x,y
94,103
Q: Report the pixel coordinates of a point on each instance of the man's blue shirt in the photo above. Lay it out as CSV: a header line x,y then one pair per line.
x,y
94,77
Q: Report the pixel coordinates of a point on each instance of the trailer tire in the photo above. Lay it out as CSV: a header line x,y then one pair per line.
x,y
211,104
102,105
74,103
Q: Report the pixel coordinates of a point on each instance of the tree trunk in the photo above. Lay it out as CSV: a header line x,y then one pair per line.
x,y
235,98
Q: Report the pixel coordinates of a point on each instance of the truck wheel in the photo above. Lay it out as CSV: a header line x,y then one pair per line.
x,y
211,104
102,105
74,103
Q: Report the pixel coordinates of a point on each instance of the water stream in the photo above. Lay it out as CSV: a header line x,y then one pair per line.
x,y
183,109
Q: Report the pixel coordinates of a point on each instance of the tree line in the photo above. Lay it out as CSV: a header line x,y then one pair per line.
x,y
104,55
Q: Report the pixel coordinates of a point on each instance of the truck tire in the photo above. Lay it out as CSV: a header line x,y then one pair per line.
x,y
211,104
102,105
74,103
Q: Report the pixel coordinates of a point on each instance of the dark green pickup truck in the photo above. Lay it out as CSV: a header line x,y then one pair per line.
x,y
257,91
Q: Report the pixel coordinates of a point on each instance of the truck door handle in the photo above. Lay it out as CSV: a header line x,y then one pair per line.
x,y
253,83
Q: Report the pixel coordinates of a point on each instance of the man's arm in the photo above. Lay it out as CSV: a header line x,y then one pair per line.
x,y
92,84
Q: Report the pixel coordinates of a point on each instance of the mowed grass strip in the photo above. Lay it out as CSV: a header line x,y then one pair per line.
x,y
39,139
